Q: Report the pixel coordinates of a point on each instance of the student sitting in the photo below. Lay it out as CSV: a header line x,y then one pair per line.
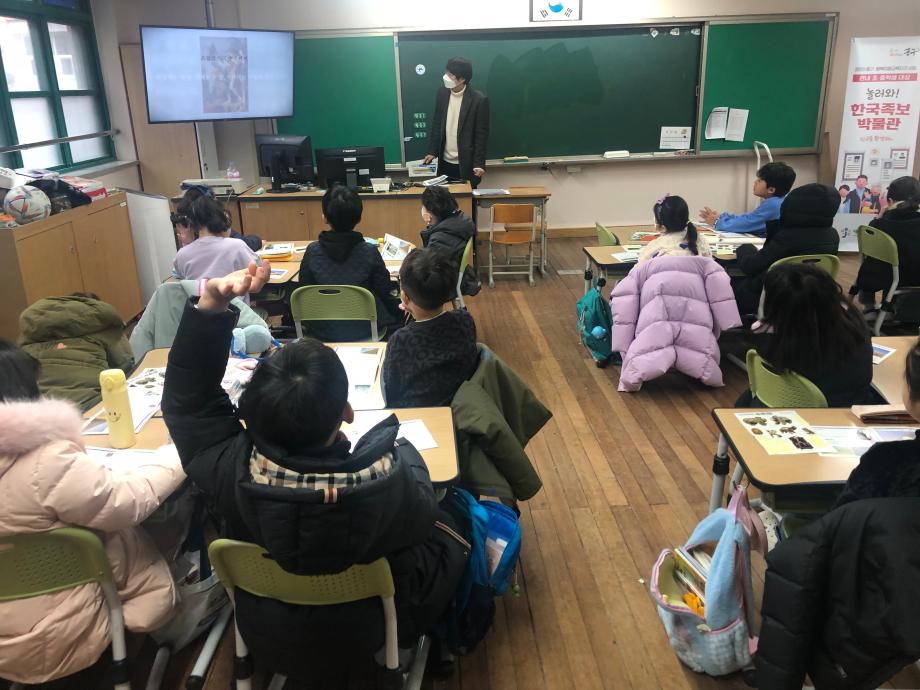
x,y
74,338
805,227
678,235
810,328
772,184
291,482
901,221
213,252
343,257
47,481
428,360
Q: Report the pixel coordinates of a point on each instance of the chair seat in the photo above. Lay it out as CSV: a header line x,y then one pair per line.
x,y
512,237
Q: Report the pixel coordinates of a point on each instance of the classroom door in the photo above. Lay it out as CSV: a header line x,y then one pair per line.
x,y
49,263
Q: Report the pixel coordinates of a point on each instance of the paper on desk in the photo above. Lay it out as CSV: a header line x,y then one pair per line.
x,y
715,123
490,192
120,460
626,257
736,125
278,272
880,353
394,248
144,404
782,432
855,441
675,138
361,363
415,431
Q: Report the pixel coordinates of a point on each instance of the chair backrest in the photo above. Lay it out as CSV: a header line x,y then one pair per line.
x,y
828,262
333,303
467,257
46,562
877,245
606,238
781,390
249,567
513,213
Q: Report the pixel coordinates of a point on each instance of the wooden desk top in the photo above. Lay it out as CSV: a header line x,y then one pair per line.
x,y
441,461
888,377
605,257
519,193
458,190
770,472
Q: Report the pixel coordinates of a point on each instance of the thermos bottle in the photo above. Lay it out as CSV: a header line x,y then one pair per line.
x,y
117,408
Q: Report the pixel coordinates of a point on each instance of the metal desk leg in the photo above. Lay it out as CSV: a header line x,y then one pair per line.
x,y
543,237
719,472
587,271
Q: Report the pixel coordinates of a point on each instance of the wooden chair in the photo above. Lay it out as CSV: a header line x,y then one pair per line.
x,y
250,568
334,303
512,214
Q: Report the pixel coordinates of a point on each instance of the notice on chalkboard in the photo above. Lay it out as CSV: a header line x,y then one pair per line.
x,y
675,138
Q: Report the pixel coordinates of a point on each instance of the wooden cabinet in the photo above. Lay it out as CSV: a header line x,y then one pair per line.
x,y
277,220
88,249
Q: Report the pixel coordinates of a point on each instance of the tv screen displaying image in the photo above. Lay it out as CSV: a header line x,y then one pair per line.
x,y
217,74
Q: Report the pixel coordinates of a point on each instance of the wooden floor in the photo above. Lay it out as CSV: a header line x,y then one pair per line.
x,y
625,475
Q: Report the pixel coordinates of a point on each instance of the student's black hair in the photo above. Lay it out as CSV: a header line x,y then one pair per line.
x,y
673,214
19,373
906,190
844,186
460,67
779,176
429,277
816,328
912,372
439,202
864,177
198,210
296,396
342,207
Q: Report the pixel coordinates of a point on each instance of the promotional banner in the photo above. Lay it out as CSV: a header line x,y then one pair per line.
x,y
880,115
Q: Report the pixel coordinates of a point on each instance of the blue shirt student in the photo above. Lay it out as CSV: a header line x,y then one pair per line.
x,y
754,222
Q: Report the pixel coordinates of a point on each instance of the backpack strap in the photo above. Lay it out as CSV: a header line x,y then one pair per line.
x,y
741,509
453,533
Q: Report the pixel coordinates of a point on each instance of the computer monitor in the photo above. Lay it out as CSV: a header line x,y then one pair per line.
x,y
352,166
285,158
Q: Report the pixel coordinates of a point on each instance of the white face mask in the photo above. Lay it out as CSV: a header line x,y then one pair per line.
x,y
449,83
426,218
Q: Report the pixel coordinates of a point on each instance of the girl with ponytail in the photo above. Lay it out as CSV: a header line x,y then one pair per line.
x,y
678,235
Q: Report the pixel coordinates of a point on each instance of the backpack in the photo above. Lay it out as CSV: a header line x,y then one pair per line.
x,y
720,641
495,546
595,322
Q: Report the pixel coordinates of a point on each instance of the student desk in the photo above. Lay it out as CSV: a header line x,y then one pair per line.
x,y
441,461
888,377
298,216
786,474
535,196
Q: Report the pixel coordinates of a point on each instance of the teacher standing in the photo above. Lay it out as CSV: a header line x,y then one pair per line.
x,y
460,125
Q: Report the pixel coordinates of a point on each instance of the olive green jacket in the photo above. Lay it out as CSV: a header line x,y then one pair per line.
x,y
495,416
74,338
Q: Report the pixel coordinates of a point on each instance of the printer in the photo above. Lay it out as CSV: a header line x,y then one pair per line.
x,y
220,186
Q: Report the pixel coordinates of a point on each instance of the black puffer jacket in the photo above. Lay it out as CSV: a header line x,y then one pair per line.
x,y
389,515
903,225
840,599
805,226
450,235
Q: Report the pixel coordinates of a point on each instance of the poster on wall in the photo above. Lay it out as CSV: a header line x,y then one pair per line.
x,y
879,132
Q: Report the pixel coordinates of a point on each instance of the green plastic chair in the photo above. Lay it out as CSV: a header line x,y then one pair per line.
x,y
334,303
46,562
828,262
249,567
605,237
878,245
465,261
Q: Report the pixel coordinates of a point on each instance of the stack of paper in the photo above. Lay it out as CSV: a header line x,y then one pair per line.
x,y
277,251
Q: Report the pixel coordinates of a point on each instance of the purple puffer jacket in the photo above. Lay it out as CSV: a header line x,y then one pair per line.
x,y
668,312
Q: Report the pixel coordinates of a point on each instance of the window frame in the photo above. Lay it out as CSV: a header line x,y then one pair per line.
x,y
39,15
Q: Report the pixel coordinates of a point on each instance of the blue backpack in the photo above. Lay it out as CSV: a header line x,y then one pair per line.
x,y
495,546
595,323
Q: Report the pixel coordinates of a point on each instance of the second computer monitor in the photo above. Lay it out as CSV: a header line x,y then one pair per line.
x,y
350,166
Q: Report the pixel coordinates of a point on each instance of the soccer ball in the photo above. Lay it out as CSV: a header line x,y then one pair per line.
x,y
27,204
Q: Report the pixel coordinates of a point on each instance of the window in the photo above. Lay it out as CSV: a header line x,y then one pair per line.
x,y
50,85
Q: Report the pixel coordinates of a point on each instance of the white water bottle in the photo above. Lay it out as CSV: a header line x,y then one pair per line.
x,y
232,172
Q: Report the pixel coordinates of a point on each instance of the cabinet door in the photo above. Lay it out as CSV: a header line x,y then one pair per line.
x,y
276,220
106,251
49,264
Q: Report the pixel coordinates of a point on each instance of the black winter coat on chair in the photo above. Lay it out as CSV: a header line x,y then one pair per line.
x,y
840,599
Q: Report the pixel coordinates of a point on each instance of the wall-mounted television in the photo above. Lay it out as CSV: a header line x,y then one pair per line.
x,y
217,74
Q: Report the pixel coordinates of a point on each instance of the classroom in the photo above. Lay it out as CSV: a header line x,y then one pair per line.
x,y
494,346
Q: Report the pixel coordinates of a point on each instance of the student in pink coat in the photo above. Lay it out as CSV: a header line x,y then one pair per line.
x,y
48,481
668,313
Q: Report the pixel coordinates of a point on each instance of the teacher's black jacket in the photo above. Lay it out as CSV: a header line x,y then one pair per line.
x,y
472,130
391,515
840,599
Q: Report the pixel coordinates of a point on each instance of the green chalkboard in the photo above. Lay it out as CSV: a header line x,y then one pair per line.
x,y
773,69
345,93
556,93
